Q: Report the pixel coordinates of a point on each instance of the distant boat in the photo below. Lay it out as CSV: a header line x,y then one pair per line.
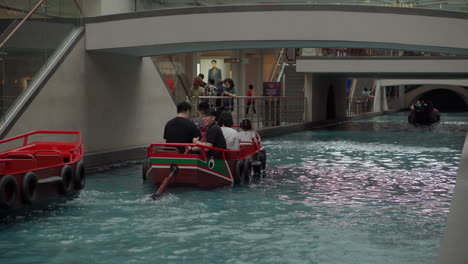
x,y
423,115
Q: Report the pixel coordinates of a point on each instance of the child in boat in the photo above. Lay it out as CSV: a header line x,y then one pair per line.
x,y
247,133
230,135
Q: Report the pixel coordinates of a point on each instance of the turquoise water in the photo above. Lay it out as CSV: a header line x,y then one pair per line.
x,y
370,191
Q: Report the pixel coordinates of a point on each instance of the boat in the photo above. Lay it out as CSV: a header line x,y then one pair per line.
x,y
35,171
167,165
423,116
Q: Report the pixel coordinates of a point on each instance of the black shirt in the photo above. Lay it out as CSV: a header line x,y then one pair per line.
x,y
180,130
214,135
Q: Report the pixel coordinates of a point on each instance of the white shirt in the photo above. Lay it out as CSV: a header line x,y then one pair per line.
x,y
247,135
232,138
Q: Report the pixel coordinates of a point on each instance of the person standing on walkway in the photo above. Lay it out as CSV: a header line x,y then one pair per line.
x,y
211,90
196,91
229,90
250,93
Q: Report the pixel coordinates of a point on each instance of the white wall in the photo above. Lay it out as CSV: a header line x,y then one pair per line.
x,y
116,101
379,66
107,7
248,27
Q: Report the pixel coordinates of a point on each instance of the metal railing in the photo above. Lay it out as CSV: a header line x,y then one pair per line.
x,y
363,52
263,111
143,5
359,105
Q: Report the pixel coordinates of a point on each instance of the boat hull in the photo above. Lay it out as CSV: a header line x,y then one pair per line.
x,y
192,171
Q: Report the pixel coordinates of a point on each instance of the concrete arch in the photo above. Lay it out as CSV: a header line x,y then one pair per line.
x,y
412,96
444,82
272,26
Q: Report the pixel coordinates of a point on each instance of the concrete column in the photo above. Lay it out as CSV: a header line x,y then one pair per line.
x,y
454,243
318,95
242,85
401,96
259,87
236,71
380,98
308,96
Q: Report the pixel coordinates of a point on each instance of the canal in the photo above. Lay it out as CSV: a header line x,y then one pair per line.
x,y
376,190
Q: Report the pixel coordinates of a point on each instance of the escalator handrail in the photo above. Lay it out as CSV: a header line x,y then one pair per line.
x,y
31,12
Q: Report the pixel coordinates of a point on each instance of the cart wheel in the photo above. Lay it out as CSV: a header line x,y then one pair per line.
x,y
264,159
239,177
8,192
29,187
67,179
247,171
145,167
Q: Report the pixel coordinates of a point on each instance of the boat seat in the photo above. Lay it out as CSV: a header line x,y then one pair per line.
x,y
46,158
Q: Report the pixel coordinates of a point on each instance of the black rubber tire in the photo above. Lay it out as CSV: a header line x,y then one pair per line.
x,y
247,171
264,159
239,177
144,168
80,175
67,179
29,187
8,192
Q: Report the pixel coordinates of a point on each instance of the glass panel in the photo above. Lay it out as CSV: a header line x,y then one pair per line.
x,y
174,75
34,42
142,5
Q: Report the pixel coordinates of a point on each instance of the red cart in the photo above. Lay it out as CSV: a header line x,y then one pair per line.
x,y
36,170
166,164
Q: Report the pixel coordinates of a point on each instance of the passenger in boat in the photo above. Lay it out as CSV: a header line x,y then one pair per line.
x,y
202,107
180,129
214,135
247,133
230,135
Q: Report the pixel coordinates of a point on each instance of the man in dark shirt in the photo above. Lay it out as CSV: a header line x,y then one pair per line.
x,y
180,129
214,134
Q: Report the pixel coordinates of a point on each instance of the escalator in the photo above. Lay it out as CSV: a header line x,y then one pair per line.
x,y
35,37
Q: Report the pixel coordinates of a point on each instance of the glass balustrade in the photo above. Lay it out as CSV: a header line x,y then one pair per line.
x,y
143,5
28,49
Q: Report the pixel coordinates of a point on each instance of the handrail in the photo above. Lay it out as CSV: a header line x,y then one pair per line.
x,y
79,7
251,97
187,92
21,23
26,135
276,65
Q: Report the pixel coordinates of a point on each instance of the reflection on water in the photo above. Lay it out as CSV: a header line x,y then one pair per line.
x,y
369,191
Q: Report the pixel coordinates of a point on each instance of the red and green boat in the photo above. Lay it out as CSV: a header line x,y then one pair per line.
x,y
40,167
167,165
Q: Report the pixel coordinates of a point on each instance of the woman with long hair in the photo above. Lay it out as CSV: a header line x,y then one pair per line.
x,y
196,91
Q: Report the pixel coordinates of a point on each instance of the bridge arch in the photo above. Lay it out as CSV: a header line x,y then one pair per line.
x,y
455,96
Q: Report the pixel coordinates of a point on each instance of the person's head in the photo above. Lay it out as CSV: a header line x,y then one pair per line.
x,y
209,116
221,82
246,124
197,82
365,89
250,86
202,107
225,119
229,83
201,75
214,63
211,81
184,109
